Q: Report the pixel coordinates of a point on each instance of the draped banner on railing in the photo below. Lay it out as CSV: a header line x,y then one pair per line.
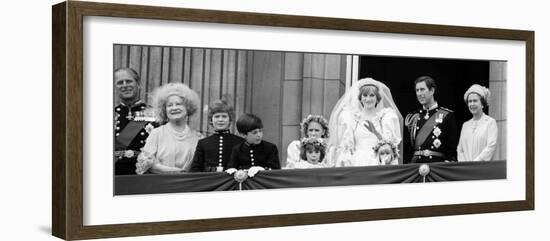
x,y
198,182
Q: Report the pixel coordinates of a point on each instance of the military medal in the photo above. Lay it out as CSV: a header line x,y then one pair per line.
x,y
427,116
219,169
129,116
437,131
437,143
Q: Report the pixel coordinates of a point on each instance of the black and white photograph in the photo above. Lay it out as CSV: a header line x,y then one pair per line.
x,y
194,119
205,119
275,120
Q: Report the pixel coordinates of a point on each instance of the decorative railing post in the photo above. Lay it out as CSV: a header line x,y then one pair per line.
x,y
424,170
240,176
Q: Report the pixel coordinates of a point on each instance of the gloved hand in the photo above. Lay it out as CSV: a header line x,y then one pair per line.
x,y
230,171
253,170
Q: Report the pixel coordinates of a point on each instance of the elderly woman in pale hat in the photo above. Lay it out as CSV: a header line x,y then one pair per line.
x,y
170,147
478,137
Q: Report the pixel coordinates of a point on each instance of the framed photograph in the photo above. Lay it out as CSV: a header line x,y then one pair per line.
x,y
171,120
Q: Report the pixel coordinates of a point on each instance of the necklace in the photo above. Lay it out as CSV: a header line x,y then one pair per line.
x,y
178,134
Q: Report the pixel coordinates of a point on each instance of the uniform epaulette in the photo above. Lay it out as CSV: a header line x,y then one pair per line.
x,y
445,109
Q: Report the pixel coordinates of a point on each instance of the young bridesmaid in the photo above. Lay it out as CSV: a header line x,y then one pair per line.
x,y
312,153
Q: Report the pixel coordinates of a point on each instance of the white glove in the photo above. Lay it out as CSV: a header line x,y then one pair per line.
x,y
230,171
253,170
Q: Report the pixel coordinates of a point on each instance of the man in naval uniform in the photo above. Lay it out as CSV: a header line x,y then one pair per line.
x,y
133,121
433,131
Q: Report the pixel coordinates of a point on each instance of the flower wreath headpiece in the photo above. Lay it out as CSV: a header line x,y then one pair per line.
x,y
384,142
313,141
317,118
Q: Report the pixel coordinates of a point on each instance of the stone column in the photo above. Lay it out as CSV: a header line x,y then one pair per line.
x,y
497,104
312,84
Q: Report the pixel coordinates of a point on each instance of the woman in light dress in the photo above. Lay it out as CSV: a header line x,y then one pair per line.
x,y
364,115
170,147
478,138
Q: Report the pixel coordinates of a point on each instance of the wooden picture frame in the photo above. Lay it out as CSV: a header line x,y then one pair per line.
x,y
67,123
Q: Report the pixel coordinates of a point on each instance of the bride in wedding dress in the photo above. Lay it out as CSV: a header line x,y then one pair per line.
x,y
364,116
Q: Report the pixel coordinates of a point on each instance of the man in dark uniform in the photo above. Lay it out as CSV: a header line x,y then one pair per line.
x,y
212,153
433,131
132,121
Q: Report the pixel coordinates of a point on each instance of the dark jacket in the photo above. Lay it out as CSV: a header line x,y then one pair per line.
x,y
130,135
263,154
214,151
442,137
